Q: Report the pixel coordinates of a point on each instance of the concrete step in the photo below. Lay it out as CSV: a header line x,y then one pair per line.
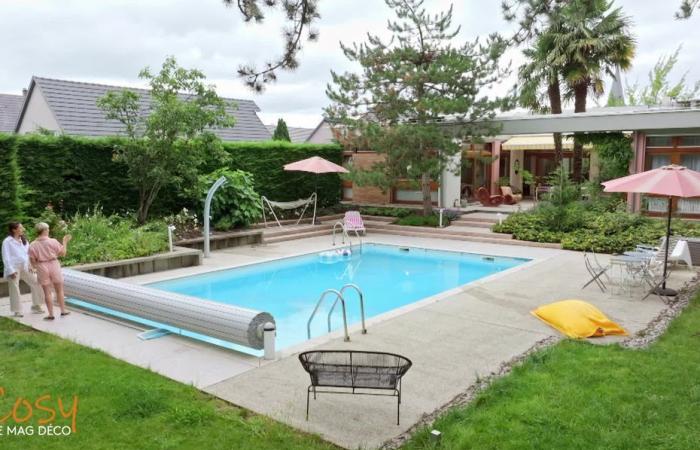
x,y
486,240
438,232
291,229
472,223
294,236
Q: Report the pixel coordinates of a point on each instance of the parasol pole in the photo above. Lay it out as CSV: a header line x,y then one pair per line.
x,y
315,199
664,290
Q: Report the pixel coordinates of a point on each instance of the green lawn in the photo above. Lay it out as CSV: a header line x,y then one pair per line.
x,y
581,396
121,406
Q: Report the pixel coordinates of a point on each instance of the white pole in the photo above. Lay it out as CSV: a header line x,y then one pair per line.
x,y
442,210
171,228
207,208
269,340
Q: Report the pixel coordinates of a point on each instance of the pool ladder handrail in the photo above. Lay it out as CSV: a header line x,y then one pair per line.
x,y
345,234
362,305
338,296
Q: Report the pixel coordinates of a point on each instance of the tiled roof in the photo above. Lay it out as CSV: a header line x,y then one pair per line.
x,y
298,135
10,107
75,109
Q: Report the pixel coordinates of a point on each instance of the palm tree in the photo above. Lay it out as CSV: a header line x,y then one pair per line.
x,y
591,42
541,82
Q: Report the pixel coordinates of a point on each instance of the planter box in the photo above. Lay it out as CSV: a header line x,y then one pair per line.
x,y
225,240
180,257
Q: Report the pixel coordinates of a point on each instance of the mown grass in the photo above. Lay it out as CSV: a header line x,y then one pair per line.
x,y
581,396
121,406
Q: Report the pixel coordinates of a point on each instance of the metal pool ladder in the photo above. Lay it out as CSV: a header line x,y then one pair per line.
x,y
339,297
344,234
362,305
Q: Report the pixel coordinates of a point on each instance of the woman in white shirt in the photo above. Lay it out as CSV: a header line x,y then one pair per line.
x,y
15,258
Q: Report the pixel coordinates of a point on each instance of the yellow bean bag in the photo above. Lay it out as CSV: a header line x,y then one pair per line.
x,y
577,319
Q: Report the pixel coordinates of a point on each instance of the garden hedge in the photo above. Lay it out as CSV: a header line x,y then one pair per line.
x,y
10,201
74,174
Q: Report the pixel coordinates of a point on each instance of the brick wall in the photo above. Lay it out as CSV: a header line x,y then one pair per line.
x,y
368,194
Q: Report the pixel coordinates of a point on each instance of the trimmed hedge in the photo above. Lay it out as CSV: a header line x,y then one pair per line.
x,y
10,189
75,174
266,160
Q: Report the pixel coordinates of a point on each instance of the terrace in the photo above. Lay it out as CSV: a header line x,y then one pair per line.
x,y
454,338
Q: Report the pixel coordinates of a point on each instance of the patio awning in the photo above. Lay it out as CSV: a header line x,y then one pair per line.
x,y
538,142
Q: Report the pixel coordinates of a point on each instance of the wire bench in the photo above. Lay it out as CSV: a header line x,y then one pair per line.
x,y
353,371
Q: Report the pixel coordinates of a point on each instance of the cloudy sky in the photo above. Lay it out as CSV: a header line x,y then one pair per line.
x,y
109,41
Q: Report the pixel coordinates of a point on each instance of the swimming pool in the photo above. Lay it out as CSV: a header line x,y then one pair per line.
x,y
389,276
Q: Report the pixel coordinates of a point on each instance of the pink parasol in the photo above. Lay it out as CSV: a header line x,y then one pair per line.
x,y
316,165
670,181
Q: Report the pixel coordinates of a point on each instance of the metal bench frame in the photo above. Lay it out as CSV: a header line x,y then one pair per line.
x,y
398,371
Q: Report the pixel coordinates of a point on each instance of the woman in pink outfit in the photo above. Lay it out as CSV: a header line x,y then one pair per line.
x,y
44,253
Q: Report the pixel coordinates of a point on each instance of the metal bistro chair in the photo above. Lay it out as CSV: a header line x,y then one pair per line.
x,y
596,270
355,370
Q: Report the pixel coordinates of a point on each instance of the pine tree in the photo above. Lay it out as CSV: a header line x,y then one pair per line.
x,y
281,132
397,105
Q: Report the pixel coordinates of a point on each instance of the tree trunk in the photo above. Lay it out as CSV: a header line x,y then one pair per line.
x,y
554,93
427,199
580,97
146,198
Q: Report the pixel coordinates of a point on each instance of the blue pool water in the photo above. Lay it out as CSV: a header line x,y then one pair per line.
x,y
389,276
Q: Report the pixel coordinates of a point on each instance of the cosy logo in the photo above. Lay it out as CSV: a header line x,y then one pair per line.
x,y
51,415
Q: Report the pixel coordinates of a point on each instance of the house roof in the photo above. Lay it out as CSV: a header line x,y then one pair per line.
x,y
10,107
74,105
298,135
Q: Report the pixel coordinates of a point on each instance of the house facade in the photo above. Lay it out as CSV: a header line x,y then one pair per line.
x,y
70,107
660,136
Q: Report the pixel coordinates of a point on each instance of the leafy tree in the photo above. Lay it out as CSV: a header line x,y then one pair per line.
x,y
406,88
301,14
687,9
169,140
660,88
281,132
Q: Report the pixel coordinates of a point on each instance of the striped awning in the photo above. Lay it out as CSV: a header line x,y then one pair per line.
x,y
538,142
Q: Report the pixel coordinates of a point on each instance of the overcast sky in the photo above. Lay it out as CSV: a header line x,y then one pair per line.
x,y
109,41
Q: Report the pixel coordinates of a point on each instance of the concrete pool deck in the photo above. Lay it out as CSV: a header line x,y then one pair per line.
x,y
452,339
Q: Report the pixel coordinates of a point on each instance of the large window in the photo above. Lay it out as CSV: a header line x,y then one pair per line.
x,y
689,141
690,205
659,141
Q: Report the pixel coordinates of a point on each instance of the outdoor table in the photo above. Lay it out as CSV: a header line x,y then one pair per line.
x,y
628,267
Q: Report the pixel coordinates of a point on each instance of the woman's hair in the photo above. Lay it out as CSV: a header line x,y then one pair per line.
x,y
41,227
11,227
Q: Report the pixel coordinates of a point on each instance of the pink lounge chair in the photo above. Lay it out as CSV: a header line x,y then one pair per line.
x,y
353,222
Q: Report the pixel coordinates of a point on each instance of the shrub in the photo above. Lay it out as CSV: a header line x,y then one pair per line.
x,y
597,226
98,237
417,220
186,223
235,204
385,211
